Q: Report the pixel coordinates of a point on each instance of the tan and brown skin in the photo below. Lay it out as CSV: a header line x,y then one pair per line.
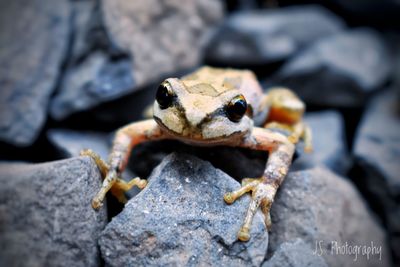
x,y
202,109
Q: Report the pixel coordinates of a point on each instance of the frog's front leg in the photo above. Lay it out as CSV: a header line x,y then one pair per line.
x,y
264,188
125,139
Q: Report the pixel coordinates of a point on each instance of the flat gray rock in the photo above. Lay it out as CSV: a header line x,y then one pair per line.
x,y
33,40
343,68
293,254
180,218
46,215
329,143
266,36
327,213
377,150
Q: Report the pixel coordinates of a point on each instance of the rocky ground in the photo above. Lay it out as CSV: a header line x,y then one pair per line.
x,y
72,72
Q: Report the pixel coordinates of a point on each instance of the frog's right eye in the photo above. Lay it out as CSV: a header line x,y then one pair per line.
x,y
164,96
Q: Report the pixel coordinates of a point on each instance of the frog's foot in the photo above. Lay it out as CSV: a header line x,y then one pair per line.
x,y
111,182
262,195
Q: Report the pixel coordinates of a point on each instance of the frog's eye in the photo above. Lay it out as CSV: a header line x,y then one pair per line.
x,y
236,108
164,96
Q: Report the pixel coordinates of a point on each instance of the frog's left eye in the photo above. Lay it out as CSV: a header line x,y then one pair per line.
x,y
236,108
164,96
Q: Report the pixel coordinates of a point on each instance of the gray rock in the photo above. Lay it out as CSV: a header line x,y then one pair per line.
x,y
326,211
160,37
46,216
94,81
33,47
328,141
343,68
262,37
180,218
296,253
377,151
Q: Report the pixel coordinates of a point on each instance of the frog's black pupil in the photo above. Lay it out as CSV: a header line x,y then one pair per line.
x,y
164,97
236,109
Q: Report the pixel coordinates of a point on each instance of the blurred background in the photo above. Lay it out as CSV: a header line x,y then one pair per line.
x,y
73,71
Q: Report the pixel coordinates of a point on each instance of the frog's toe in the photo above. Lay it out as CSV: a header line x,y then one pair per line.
x,y
244,234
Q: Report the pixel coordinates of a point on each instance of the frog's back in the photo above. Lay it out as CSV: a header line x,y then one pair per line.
x,y
215,81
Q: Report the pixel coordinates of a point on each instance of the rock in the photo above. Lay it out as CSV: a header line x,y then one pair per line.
x,y
180,218
94,81
160,37
261,37
32,50
296,253
343,68
327,213
377,150
45,214
328,141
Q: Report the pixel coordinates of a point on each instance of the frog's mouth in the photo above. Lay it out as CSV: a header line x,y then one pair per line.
x,y
196,138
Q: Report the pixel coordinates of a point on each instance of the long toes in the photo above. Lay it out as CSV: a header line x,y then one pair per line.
x,y
229,198
244,234
96,204
141,183
268,221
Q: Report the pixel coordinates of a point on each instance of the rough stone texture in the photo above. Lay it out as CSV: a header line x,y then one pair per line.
x,y
318,206
32,50
343,68
262,37
293,254
180,218
161,37
377,150
328,141
95,80
45,214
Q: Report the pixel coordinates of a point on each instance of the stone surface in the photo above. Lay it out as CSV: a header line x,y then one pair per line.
x,y
45,214
94,81
180,218
296,253
321,208
261,37
32,50
328,141
377,151
161,37
343,68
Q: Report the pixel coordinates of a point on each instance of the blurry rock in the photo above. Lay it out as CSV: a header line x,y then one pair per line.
x,y
340,70
328,142
180,218
161,37
33,47
94,81
296,253
326,212
262,37
377,151
45,214
71,143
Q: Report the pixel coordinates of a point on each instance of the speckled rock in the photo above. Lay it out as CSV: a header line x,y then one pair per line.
x,y
377,150
32,50
344,68
261,37
293,254
180,218
326,212
160,37
45,214
328,142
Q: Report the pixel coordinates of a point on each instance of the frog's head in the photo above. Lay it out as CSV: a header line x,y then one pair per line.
x,y
198,112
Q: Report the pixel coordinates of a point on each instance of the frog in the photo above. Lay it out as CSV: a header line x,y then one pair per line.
x,y
216,107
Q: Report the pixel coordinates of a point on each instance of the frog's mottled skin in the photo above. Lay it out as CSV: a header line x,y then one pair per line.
x,y
198,117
